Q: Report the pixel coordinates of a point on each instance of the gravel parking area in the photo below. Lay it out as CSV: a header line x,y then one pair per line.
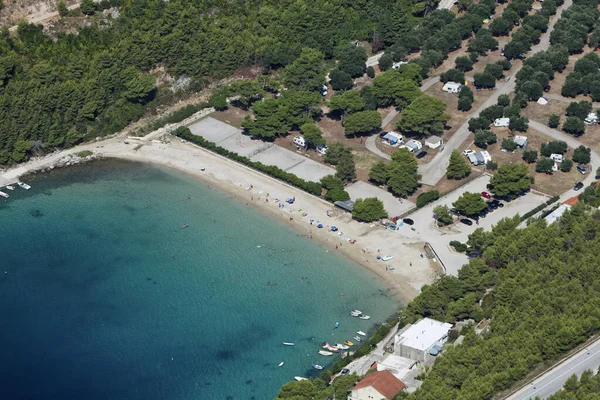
x,y
439,238
391,204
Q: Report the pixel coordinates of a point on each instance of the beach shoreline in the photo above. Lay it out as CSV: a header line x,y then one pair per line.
x,y
403,276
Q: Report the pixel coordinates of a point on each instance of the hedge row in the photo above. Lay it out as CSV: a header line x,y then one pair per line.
x,y
427,197
275,172
539,208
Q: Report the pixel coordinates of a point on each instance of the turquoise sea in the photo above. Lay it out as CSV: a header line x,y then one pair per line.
x,y
105,295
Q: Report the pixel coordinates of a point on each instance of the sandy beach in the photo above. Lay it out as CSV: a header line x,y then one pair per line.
x,y
405,274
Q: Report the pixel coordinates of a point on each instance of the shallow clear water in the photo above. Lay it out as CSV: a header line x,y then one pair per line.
x,y
104,294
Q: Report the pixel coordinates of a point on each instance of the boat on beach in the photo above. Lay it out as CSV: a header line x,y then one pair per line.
x,y
4,195
10,187
325,353
24,185
288,344
299,378
317,366
364,317
348,343
387,257
361,333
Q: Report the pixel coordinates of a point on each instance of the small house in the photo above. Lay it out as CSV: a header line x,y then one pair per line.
x,y
520,141
451,87
392,138
433,142
480,157
557,157
380,385
413,146
501,122
591,119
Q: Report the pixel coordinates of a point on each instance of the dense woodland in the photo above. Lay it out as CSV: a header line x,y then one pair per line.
x,y
58,91
538,285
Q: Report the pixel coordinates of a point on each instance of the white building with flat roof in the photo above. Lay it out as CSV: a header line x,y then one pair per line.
x,y
451,87
416,341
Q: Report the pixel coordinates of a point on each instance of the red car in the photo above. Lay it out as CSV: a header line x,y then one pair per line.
x,y
486,195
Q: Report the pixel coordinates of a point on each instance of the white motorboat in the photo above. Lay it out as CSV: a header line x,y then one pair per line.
x,y
387,257
342,346
332,348
10,187
281,363
355,313
4,195
317,366
24,185
299,378
364,317
361,333
288,344
325,353
357,338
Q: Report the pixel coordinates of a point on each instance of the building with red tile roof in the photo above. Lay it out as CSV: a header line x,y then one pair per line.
x,y
380,385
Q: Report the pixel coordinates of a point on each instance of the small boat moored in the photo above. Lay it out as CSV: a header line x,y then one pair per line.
x,y
342,346
325,353
357,338
10,187
355,313
4,195
281,363
361,333
317,366
364,317
24,185
288,344
337,325
348,343
299,378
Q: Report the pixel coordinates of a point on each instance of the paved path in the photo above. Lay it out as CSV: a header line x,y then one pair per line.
x,y
435,170
370,142
574,143
553,380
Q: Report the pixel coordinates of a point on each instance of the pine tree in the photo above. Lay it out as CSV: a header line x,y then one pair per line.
x,y
458,167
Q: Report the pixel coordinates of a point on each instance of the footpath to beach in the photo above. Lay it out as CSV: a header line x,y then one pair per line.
x,y
405,274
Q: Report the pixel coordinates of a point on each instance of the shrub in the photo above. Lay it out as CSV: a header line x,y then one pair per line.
x,y
427,197
458,246
553,121
508,144
566,165
371,72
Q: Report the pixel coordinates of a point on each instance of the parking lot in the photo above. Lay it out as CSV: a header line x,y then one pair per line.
x,y
439,238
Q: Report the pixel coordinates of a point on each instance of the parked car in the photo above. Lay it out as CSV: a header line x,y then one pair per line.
x,y
489,186
455,211
474,217
497,203
422,154
466,221
345,371
581,169
468,152
492,204
483,213
578,186
408,221
486,195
